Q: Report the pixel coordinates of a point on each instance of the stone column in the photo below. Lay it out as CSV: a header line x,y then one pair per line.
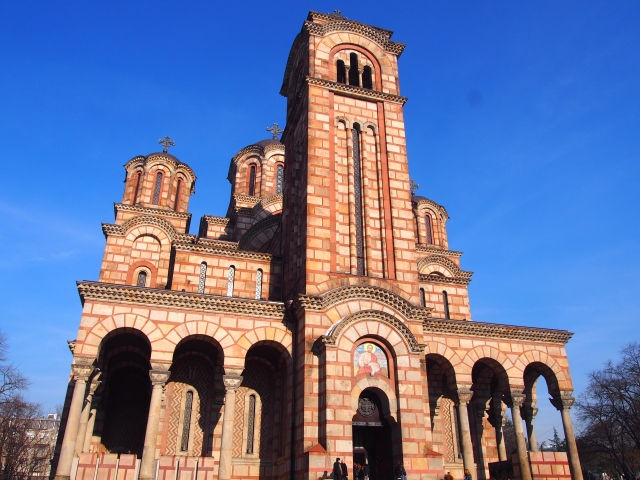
x,y
499,419
81,370
529,415
564,403
464,397
517,400
86,446
158,380
84,416
231,383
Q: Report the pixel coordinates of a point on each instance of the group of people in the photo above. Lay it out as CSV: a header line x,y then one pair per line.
x,y
361,472
467,475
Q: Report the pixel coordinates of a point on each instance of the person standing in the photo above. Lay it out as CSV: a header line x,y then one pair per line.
x,y
344,469
467,474
448,476
337,470
401,473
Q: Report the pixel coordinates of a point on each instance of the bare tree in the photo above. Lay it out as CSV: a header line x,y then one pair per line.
x,y
25,446
11,380
609,410
509,437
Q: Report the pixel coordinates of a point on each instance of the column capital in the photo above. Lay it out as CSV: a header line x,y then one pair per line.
x,y
564,402
81,371
529,411
232,382
464,395
517,398
159,377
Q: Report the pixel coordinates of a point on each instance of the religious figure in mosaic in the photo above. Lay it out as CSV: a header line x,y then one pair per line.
x,y
369,358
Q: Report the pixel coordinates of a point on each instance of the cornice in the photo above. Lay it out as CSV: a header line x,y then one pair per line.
x,y
151,211
358,92
214,220
246,198
440,259
333,334
364,292
340,24
183,300
167,157
122,229
469,328
422,248
420,201
443,280
224,252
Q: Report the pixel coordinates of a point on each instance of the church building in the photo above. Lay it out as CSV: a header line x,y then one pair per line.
x,y
323,316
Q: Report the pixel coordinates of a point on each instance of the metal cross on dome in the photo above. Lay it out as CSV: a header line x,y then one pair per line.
x,y
413,186
166,142
275,130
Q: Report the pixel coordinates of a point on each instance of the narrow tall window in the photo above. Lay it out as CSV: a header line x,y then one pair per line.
x,y
203,277
423,298
251,423
177,202
279,178
157,188
341,73
427,221
186,424
259,284
252,180
367,78
135,192
357,190
142,279
445,300
354,74
230,279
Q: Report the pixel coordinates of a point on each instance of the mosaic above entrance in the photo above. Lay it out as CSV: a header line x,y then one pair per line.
x,y
369,358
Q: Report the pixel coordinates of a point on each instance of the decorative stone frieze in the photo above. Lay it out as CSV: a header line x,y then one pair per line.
x,y
366,292
212,219
332,336
224,252
446,263
150,210
359,92
420,201
436,250
168,298
494,330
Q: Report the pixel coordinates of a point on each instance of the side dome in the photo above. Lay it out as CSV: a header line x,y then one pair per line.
x,y
258,169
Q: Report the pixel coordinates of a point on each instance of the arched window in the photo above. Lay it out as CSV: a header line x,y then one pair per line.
x,y
203,277
445,300
252,180
157,188
259,284
354,74
251,423
178,188
230,280
357,190
279,178
186,423
423,298
367,78
137,189
142,279
427,221
341,72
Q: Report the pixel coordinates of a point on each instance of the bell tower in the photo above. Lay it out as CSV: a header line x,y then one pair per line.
x,y
348,211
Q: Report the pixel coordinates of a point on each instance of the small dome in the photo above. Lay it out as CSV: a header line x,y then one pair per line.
x,y
269,141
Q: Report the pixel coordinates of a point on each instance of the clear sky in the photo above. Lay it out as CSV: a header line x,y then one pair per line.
x,y
522,121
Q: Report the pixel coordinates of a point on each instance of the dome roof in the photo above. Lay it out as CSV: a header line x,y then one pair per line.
x,y
268,141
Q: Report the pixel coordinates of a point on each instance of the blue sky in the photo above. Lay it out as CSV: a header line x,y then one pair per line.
x,y
522,121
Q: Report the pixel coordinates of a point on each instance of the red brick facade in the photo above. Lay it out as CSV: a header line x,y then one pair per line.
x,y
324,310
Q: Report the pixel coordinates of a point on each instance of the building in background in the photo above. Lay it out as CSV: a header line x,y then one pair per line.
x,y
324,316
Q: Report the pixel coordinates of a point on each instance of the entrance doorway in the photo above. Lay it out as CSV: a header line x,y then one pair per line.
x,y
372,443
